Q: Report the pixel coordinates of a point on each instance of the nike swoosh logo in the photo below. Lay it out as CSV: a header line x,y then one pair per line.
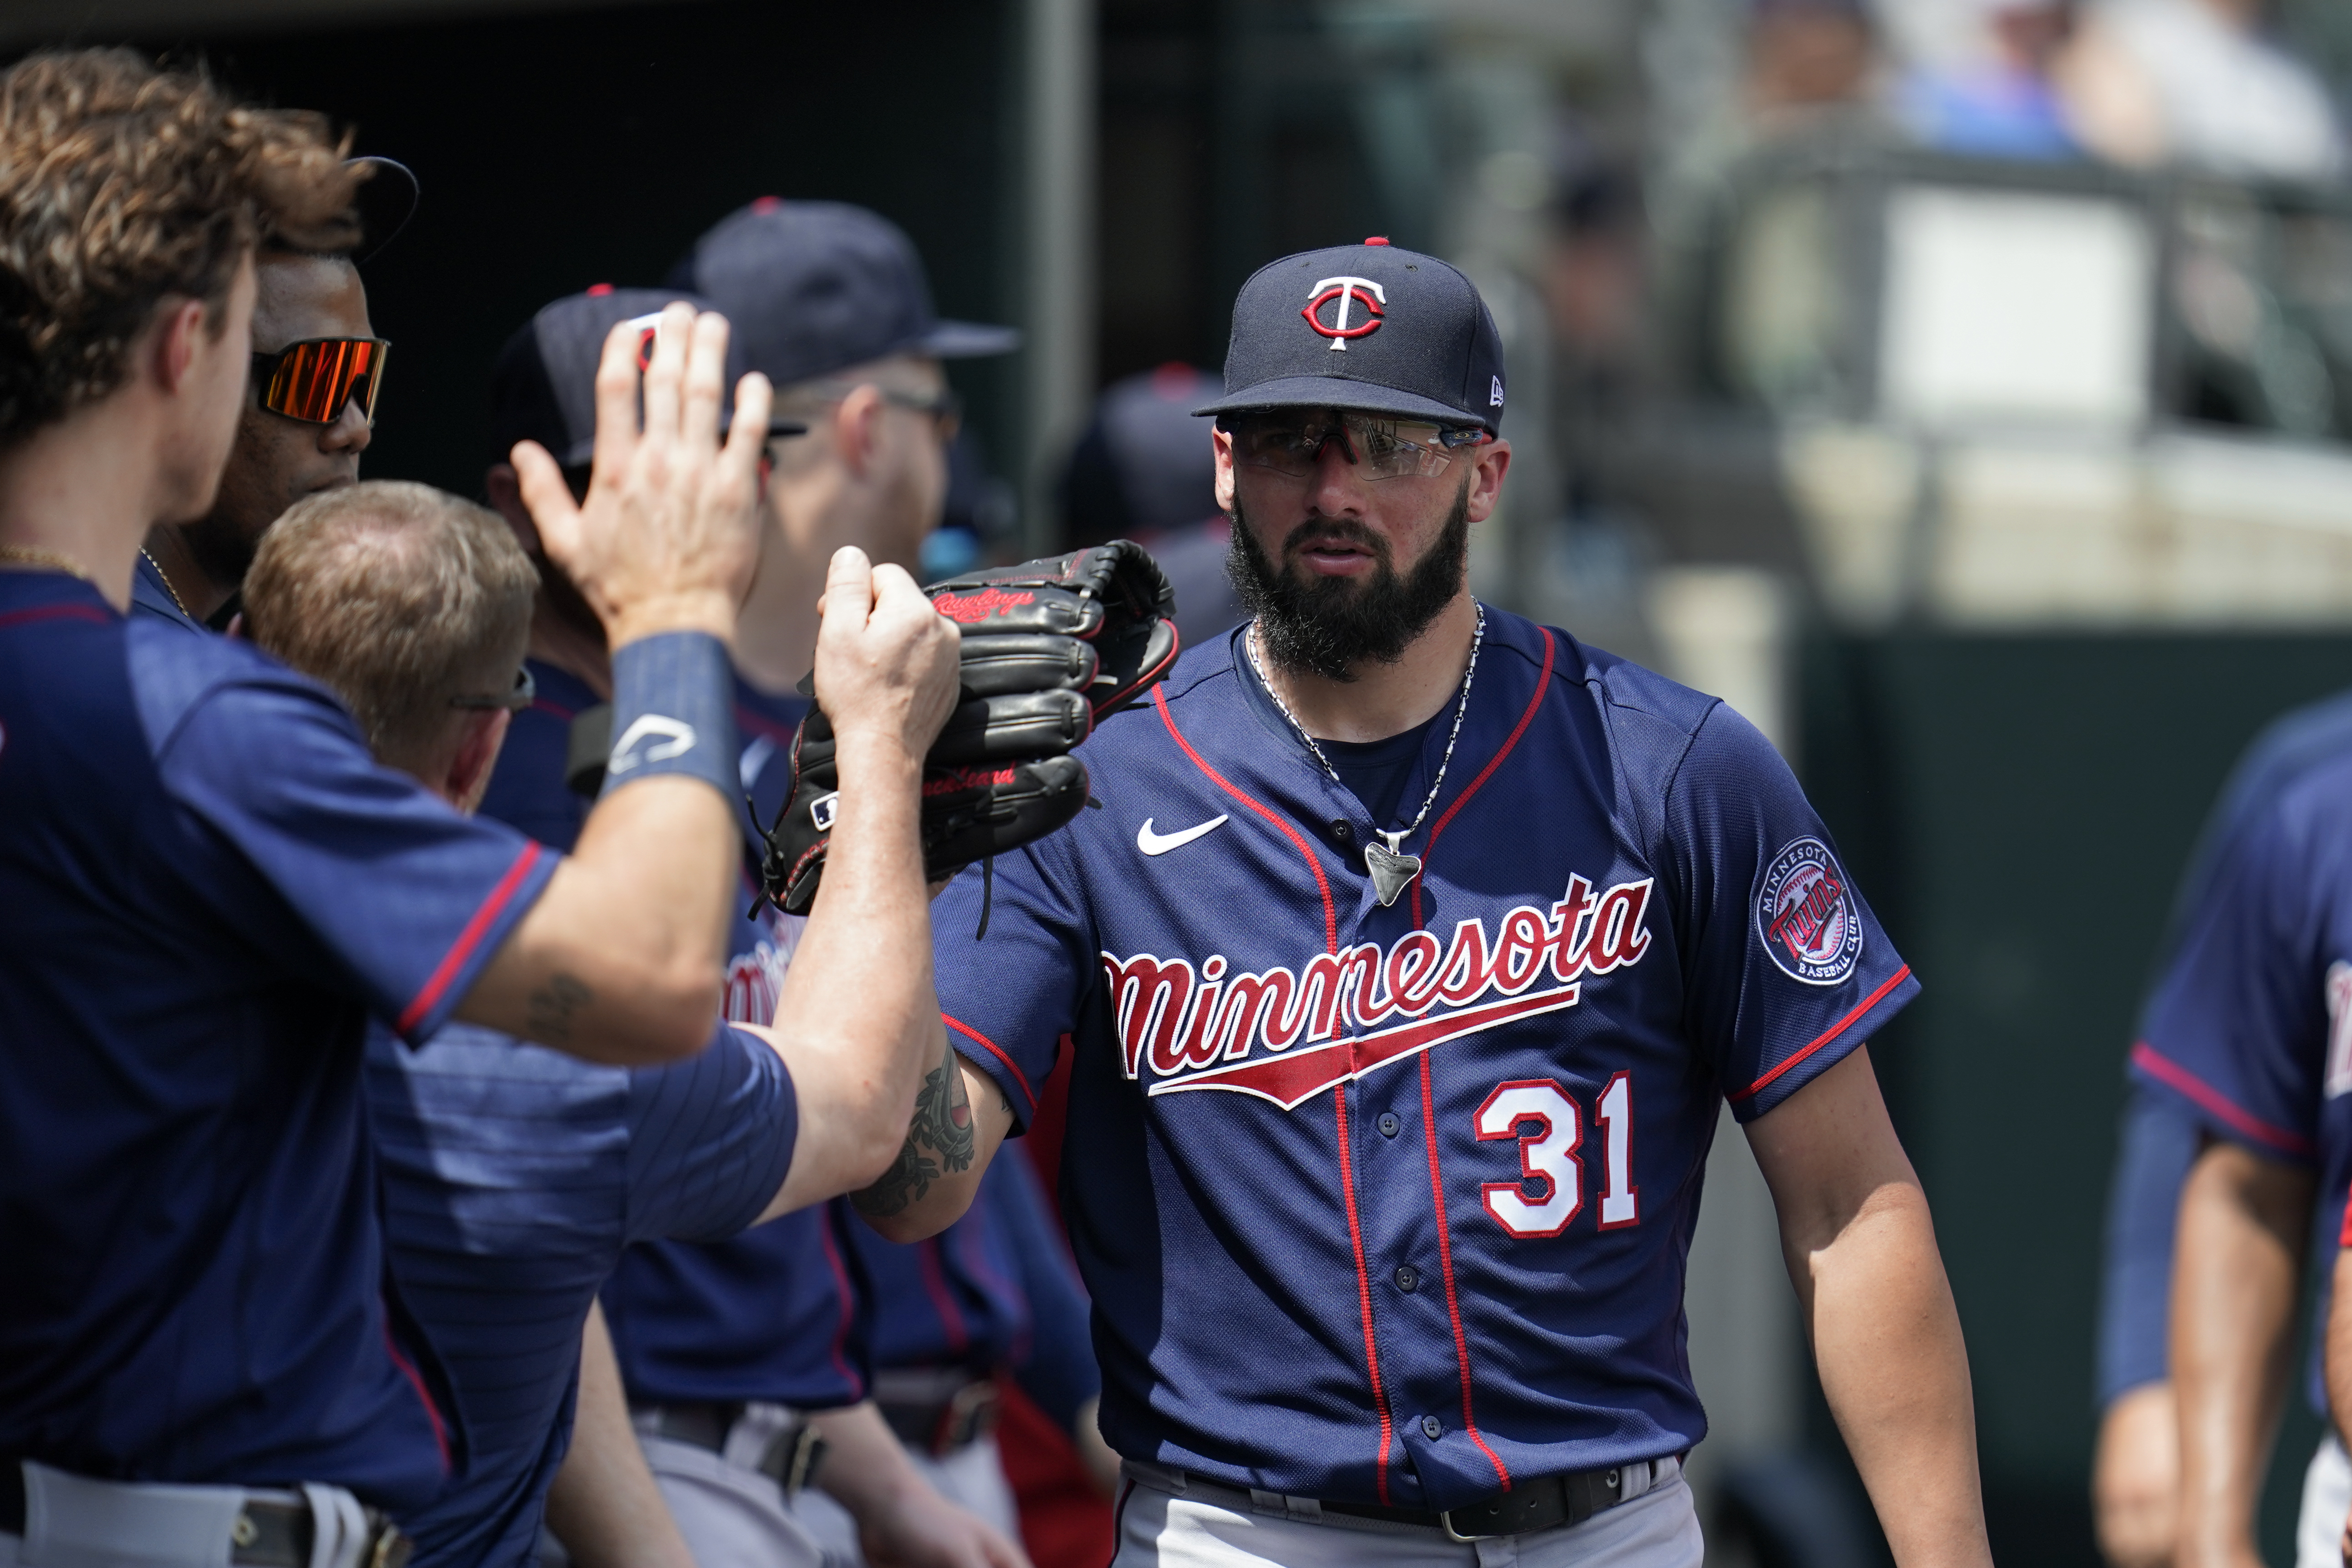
x,y
1153,843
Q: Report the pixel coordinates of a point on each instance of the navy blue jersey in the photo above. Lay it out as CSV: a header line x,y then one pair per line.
x,y
775,1314
2249,1030
2160,1137
512,1177
994,1292
1390,1204
527,789
206,887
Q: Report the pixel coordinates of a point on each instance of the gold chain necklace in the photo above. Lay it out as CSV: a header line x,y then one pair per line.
x,y
30,556
166,580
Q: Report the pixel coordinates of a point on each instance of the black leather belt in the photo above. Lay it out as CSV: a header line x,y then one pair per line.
x,y
791,1458
269,1532
936,1411
1544,1503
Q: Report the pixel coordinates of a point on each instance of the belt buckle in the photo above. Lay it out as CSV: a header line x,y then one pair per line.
x,y
1446,1523
392,1548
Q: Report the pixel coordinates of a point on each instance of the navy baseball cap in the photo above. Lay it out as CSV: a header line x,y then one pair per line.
x,y
543,384
1366,326
816,287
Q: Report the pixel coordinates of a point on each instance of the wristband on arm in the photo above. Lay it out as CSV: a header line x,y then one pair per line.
x,y
673,712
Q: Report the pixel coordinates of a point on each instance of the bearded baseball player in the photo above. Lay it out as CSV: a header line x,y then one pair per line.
x,y
1404,965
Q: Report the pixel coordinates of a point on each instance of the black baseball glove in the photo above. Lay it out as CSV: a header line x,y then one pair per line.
x,y
1049,646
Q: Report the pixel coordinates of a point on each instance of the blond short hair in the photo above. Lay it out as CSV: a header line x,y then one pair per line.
x,y
400,597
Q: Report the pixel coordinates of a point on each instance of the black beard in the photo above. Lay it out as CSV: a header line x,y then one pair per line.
x,y
1326,625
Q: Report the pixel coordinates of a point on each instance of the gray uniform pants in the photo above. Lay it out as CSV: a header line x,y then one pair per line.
x,y
1158,1526
973,1479
73,1521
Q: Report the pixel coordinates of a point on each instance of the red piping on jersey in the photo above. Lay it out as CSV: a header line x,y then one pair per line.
x,y
994,1050
1322,884
468,939
1830,1033
1338,1100
2166,1071
541,704
1445,1262
935,1285
1363,1294
56,613
839,1349
416,1381
1543,685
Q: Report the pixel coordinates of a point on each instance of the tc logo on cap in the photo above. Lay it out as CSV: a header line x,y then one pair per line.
x,y
1347,292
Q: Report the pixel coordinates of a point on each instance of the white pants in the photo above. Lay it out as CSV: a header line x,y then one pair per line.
x,y
2326,1499
1657,1530
731,1516
72,1521
973,1479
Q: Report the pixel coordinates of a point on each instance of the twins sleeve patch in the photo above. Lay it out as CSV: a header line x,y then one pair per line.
x,y
1805,915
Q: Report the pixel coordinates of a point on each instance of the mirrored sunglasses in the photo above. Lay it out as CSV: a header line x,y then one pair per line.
x,y
315,380
1291,442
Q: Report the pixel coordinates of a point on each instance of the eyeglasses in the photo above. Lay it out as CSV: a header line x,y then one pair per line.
x,y
315,380
945,408
525,692
1290,442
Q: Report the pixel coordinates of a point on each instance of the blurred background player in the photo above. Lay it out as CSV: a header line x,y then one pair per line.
x,y
728,1353
2136,1475
309,409
2248,1037
514,1176
1144,470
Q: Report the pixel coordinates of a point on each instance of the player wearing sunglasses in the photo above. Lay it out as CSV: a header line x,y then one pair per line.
x,y
310,406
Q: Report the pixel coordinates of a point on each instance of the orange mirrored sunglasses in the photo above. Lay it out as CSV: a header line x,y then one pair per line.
x,y
315,380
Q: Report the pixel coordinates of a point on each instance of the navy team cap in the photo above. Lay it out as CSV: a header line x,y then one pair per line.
x,y
543,384
1366,326
816,286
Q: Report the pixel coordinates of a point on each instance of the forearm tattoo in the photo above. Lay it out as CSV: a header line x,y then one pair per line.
x,y
939,1142
554,1005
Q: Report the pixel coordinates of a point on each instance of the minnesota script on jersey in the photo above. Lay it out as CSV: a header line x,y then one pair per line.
x,y
1390,1204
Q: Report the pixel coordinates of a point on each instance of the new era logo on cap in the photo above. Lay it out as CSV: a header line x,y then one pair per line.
x,y
1419,342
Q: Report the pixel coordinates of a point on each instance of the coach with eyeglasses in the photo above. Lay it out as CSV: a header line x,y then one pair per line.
x,y
309,408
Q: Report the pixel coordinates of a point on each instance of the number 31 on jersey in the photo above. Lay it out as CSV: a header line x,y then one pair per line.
x,y
1549,1127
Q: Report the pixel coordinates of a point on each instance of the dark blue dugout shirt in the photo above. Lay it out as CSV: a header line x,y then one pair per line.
x,y
2158,1138
775,1313
513,1176
1390,1204
206,889
151,596
994,1292
2249,1033
527,789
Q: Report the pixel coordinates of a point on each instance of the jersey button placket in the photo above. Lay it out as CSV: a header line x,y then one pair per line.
x,y
1389,1124
1408,1278
1432,1427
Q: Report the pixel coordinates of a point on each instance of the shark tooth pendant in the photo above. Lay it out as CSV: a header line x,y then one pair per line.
x,y
1393,872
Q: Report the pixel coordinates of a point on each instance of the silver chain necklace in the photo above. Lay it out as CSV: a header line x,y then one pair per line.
x,y
1392,870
